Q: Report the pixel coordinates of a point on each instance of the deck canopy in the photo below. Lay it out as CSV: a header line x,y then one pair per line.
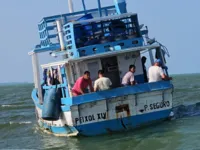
x,y
108,54
111,53
113,17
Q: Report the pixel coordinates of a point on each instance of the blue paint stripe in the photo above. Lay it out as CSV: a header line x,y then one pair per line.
x,y
58,130
115,125
35,99
65,108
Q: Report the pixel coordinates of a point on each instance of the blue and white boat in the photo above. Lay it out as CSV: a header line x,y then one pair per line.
x,y
106,38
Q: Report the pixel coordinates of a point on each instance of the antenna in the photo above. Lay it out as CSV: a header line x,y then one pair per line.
x,y
71,7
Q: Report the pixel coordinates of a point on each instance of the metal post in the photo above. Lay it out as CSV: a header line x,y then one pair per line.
x,y
99,7
78,74
84,8
71,7
163,61
36,76
151,57
150,51
60,34
120,6
68,75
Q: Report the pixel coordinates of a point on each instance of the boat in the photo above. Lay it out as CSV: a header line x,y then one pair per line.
x,y
107,38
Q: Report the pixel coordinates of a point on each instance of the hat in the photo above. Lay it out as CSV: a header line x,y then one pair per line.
x,y
158,61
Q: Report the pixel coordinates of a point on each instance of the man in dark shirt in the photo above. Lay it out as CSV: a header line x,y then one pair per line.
x,y
144,68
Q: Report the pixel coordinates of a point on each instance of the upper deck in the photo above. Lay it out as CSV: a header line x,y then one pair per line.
x,y
48,29
90,32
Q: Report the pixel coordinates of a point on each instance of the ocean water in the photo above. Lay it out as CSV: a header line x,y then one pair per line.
x,y
18,128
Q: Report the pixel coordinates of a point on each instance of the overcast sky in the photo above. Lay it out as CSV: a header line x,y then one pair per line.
x,y
175,23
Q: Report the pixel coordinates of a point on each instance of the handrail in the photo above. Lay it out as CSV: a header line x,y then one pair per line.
x,y
46,25
54,86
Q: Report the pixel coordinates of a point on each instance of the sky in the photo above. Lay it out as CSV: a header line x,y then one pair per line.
x,y
175,23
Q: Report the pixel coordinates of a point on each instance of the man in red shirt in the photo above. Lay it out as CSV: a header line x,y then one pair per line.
x,y
80,87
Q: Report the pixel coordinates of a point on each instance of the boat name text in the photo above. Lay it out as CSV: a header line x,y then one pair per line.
x,y
89,118
157,105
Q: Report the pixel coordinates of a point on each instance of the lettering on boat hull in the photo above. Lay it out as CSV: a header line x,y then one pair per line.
x,y
158,105
90,118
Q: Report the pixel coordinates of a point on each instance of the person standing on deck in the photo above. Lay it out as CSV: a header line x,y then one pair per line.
x,y
80,87
144,68
102,83
129,78
156,73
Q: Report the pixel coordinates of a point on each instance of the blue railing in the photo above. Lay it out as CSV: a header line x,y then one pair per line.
x,y
47,28
95,37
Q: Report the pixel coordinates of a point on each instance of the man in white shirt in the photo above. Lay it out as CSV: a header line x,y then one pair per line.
x,y
102,83
156,73
129,78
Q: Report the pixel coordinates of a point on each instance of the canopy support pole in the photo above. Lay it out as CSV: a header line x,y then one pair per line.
x,y
36,76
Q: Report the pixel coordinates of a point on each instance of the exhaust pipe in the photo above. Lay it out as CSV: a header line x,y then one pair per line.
x,y
120,6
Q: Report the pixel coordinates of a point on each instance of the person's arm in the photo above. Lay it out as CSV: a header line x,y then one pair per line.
x,y
95,86
164,76
110,83
133,83
80,87
132,80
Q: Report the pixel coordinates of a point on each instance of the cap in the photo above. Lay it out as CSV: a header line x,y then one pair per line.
x,y
158,61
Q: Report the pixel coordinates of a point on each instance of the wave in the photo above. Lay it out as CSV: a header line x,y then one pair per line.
x,y
12,123
187,110
22,122
8,106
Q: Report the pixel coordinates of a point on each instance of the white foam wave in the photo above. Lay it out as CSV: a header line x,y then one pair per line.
x,y
10,105
23,122
6,105
14,106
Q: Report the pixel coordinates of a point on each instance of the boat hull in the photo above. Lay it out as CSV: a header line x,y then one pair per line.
x,y
125,124
116,114
105,127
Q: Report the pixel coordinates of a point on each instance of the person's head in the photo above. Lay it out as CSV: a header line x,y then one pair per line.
x,y
158,62
55,71
144,59
132,68
86,75
49,73
100,73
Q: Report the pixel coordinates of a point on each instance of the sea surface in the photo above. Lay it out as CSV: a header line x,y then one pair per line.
x,y
18,128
